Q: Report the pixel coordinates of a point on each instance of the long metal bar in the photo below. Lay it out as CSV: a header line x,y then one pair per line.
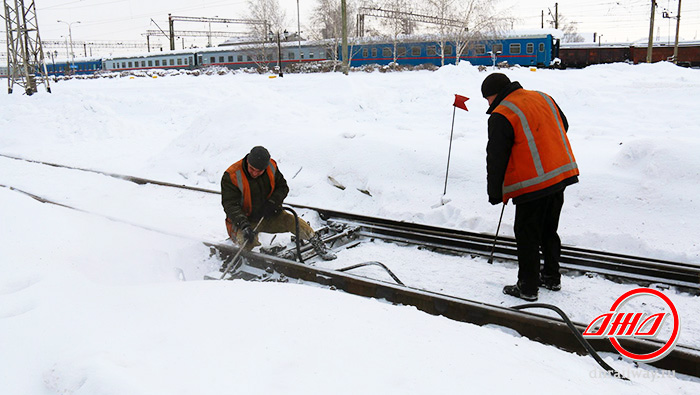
x,y
610,264
536,327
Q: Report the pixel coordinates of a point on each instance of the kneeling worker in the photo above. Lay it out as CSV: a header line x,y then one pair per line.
x,y
254,188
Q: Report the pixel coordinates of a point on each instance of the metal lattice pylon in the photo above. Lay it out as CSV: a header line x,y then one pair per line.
x,y
25,56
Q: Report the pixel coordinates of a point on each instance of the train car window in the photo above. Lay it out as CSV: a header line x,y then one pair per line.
x,y
221,59
374,52
143,63
514,49
150,63
157,62
402,52
530,48
187,61
496,48
447,50
541,47
386,52
200,59
249,58
311,55
431,50
212,59
123,65
290,55
415,51
230,58
129,64
480,49
179,61
172,62
365,52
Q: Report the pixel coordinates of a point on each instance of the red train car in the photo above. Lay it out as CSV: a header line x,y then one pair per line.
x,y
688,53
582,55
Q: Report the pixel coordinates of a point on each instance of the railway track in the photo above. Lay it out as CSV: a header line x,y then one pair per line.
x,y
617,267
614,266
351,227
537,327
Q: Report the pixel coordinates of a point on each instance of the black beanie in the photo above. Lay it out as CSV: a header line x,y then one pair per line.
x,y
259,158
494,84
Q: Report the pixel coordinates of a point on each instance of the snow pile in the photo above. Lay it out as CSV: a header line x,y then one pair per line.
x,y
93,302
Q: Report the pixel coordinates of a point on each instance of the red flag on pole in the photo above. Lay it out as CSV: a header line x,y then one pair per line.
x,y
460,102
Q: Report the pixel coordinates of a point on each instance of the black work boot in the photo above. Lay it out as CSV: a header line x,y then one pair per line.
x,y
550,282
514,290
321,249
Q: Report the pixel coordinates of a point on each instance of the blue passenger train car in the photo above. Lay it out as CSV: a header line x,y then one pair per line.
x,y
534,50
77,67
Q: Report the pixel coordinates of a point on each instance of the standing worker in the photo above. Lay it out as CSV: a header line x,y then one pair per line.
x,y
529,159
254,188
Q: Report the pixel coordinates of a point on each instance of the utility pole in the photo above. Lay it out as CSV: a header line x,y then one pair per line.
x,y
651,31
542,20
678,27
25,54
345,67
171,28
299,31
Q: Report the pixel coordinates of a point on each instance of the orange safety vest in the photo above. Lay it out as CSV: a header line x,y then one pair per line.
x,y
541,155
239,179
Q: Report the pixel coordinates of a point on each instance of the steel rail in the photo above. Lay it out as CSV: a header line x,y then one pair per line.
x,y
540,328
627,267
611,265
546,330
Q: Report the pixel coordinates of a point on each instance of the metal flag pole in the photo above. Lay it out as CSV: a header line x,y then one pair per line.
x,y
449,152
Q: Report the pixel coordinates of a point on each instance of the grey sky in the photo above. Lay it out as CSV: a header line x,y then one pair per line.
x,y
617,21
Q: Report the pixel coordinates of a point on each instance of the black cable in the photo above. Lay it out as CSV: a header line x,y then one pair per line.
x,y
376,264
298,240
580,338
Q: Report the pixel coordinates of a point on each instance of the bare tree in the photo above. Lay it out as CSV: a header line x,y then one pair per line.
x,y
570,31
270,11
326,24
480,21
397,26
275,18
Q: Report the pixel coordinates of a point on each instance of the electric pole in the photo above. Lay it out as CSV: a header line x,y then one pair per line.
x,y
344,20
25,55
678,27
651,31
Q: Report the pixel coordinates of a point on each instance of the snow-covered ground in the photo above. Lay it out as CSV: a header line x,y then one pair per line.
x,y
93,302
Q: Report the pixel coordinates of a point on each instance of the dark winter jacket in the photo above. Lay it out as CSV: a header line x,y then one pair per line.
x,y
498,150
259,190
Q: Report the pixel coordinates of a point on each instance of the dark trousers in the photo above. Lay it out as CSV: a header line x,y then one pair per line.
x,y
535,227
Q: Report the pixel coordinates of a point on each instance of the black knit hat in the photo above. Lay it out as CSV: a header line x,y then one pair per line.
x,y
259,158
494,84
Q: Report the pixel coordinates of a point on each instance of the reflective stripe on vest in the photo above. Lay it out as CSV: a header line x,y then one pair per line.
x,y
526,171
239,179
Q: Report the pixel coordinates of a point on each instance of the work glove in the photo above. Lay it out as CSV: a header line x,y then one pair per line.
x,y
495,200
271,209
248,233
